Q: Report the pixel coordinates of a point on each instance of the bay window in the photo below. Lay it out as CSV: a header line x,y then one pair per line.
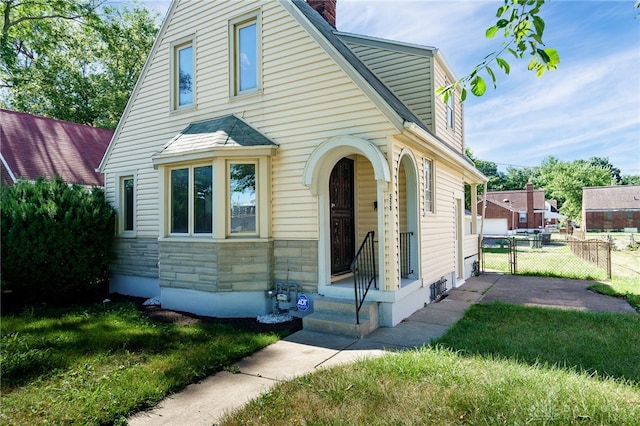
x,y
191,200
242,198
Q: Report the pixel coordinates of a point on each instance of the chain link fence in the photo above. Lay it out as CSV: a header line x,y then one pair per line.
x,y
540,254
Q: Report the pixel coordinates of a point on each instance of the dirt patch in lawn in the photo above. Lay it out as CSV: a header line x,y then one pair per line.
x,y
156,313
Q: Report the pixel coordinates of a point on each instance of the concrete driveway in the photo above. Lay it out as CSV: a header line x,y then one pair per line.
x,y
552,293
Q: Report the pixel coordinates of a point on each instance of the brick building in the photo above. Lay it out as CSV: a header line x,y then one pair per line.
x,y
611,208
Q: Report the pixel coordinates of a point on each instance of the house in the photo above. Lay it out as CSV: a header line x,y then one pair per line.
x,y
518,210
33,147
611,208
264,146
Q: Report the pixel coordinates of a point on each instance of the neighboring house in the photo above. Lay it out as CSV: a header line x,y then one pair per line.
x,y
262,145
518,210
33,147
611,208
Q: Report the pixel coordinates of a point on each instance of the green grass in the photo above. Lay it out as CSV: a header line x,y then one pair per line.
x,y
98,364
627,288
501,364
604,344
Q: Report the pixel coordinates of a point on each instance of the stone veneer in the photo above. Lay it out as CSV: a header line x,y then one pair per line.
x,y
219,266
136,257
297,261
226,266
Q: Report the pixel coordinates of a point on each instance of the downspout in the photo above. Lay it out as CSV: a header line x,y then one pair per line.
x,y
484,208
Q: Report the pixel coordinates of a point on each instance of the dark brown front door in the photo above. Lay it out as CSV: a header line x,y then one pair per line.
x,y
342,223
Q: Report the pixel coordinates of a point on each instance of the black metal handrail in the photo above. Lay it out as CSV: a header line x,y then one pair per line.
x,y
364,271
405,254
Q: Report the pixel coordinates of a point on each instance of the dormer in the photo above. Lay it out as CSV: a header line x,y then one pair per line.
x,y
413,73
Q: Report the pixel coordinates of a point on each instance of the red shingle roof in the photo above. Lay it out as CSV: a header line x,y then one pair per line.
x,y
517,199
33,147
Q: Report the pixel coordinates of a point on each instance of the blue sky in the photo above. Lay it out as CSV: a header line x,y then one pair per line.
x,y
589,106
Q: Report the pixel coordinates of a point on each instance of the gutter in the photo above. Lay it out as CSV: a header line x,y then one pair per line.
x,y
445,152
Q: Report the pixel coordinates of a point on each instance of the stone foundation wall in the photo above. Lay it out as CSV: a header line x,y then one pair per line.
x,y
297,261
135,256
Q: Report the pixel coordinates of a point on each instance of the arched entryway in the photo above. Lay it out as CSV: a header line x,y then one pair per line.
x,y
408,219
371,177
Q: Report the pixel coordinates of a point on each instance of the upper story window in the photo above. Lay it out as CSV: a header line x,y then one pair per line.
x,y
450,115
183,75
245,54
191,200
428,185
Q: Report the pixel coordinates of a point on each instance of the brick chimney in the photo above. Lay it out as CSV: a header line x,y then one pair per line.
x,y
530,214
326,8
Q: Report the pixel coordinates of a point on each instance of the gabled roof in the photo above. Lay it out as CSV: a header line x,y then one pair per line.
x,y
33,146
332,36
329,34
517,199
618,197
394,109
205,137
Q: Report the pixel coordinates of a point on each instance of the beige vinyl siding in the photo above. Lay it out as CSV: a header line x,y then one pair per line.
x,y
438,229
407,75
470,245
442,130
393,224
306,98
366,196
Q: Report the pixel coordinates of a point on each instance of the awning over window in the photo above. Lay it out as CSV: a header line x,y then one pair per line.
x,y
553,215
228,135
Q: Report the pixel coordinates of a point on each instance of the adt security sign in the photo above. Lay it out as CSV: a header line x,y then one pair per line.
x,y
303,303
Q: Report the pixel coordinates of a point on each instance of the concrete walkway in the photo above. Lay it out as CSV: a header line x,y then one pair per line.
x,y
303,352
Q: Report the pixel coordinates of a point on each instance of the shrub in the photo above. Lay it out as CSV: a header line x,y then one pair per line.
x,y
56,241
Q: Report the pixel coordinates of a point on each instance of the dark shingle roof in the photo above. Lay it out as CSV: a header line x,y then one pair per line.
x,y
215,133
34,146
619,197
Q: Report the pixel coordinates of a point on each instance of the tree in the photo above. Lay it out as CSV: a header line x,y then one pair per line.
x,y
564,181
605,164
520,23
489,169
72,59
517,177
630,180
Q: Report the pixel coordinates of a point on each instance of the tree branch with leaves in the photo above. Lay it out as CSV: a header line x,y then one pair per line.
x,y
523,28
74,60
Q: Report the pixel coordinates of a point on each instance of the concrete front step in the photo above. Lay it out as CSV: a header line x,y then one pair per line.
x,y
338,317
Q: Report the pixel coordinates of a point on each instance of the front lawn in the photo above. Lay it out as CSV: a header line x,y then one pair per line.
x,y
98,364
501,364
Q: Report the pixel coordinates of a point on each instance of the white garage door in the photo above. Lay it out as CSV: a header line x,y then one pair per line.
x,y
495,227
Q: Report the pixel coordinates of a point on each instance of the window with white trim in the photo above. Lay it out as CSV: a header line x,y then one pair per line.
x,y
242,198
126,210
191,200
245,54
450,115
522,217
183,74
428,185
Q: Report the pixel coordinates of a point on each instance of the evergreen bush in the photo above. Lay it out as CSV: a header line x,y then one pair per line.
x,y
57,242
